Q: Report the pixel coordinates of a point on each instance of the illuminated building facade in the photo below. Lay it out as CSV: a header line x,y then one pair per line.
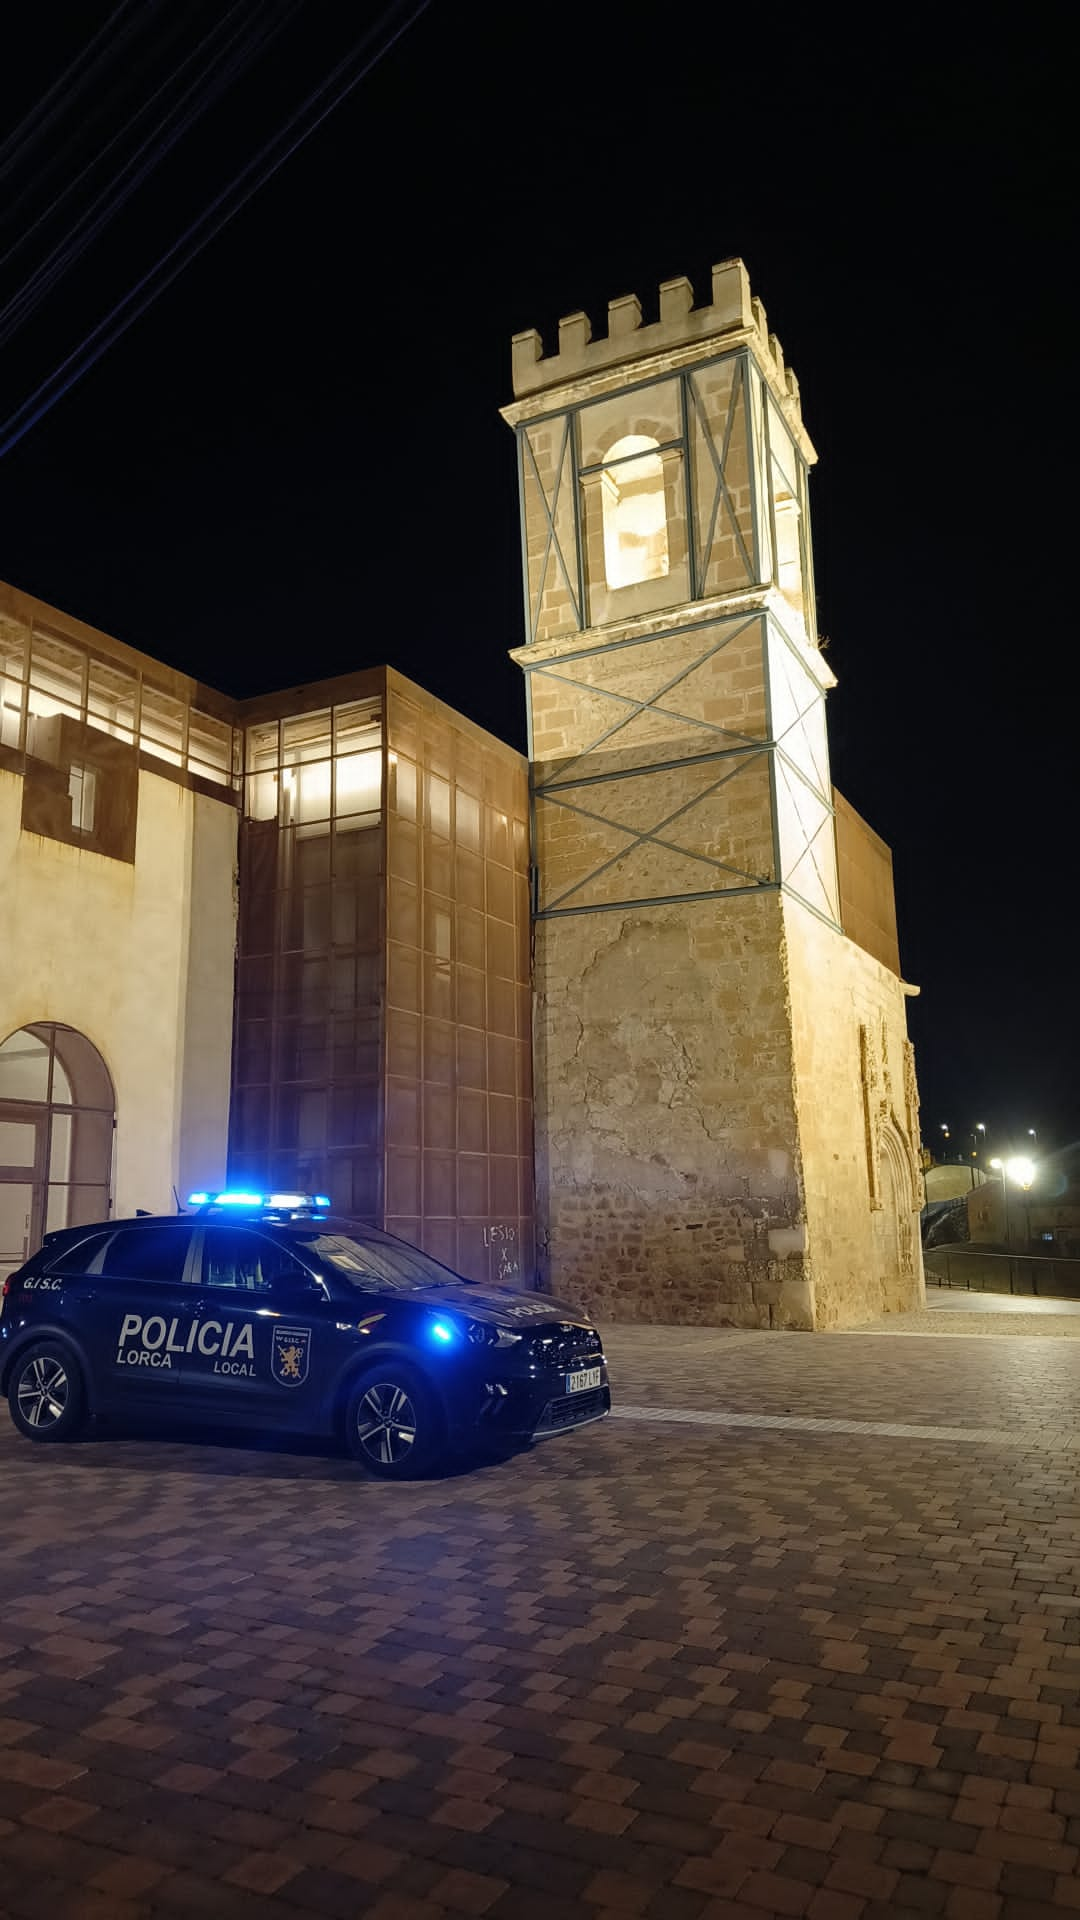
x,y
288,937
287,940
726,1110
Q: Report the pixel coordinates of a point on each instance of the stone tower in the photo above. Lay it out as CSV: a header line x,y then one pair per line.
x,y
726,1109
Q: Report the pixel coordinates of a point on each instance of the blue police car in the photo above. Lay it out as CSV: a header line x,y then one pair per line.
x,y
263,1311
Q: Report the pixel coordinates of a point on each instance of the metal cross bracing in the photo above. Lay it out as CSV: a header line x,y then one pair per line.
x,y
660,799
655,703
550,505
804,809
647,794
656,835
710,439
739,395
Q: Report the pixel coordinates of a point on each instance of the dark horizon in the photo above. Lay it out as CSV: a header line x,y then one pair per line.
x,y
278,470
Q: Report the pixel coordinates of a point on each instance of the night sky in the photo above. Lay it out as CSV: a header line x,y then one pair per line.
x,y
277,473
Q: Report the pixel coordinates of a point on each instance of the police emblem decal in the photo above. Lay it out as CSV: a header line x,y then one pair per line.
x,y
289,1355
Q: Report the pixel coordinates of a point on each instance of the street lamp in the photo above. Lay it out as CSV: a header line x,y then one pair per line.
x,y
1020,1170
946,1134
999,1168
1032,1133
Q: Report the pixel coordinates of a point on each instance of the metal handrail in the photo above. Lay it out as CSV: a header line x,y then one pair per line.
x,y
1027,1273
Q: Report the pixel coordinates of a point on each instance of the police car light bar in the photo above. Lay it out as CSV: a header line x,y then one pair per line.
x,y
263,1202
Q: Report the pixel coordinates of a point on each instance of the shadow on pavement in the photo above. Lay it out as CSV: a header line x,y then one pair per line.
x,y
237,1454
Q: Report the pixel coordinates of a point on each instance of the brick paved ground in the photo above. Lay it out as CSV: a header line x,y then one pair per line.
x,y
685,1671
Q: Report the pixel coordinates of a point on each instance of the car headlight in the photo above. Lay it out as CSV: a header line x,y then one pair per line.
x,y
481,1334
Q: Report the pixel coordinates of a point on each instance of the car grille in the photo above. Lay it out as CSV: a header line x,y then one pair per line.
x,y
571,1409
559,1345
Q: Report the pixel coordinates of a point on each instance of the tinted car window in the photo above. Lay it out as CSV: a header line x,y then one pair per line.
x,y
380,1258
234,1258
148,1253
77,1258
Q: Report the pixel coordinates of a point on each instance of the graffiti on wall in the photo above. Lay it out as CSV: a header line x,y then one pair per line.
x,y
502,1240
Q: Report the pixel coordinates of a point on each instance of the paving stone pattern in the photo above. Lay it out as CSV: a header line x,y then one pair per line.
x,y
684,1672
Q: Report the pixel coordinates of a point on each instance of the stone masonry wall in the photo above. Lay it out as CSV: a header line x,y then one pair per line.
x,y
858,1124
666,1130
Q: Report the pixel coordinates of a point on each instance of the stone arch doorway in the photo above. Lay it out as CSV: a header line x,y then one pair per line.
x,y
894,1233
57,1117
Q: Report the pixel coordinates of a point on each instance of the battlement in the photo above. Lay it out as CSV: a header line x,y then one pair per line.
x,y
732,310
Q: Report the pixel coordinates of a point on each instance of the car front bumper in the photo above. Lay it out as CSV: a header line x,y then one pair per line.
x,y
538,1408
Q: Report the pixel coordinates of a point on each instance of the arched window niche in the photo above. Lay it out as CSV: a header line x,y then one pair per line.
x,y
634,512
57,1113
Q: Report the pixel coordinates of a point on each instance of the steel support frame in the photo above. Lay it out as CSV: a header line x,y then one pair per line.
x,y
744,372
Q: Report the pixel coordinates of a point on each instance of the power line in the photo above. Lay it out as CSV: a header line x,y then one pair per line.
x,y
58,98
247,40
301,124
26,233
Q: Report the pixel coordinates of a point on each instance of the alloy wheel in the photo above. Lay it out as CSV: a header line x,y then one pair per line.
x,y
43,1392
386,1423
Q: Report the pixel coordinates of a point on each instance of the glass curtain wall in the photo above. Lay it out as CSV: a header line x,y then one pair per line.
x,y
306,1097
47,677
458,1151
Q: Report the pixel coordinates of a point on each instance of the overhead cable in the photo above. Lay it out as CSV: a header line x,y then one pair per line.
x,y
205,87
301,124
58,98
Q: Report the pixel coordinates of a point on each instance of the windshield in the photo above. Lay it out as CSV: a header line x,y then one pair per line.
x,y
382,1258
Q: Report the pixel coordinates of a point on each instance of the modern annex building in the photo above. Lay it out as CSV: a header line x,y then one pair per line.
x,y
286,939
329,938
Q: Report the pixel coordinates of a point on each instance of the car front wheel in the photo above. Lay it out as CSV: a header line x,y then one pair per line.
x,y
392,1422
45,1393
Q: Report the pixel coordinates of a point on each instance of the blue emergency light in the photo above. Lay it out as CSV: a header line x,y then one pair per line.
x,y
291,1203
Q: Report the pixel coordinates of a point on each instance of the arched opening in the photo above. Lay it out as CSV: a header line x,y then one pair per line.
x,y
635,512
894,1229
57,1114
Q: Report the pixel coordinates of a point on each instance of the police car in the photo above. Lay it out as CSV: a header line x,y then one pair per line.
x,y
262,1310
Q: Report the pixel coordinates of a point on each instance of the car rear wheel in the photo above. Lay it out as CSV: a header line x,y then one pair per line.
x,y
45,1393
392,1422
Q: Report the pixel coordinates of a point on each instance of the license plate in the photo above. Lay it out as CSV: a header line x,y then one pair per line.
x,y
581,1382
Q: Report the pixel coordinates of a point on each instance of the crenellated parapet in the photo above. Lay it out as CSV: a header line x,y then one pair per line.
x,y
678,336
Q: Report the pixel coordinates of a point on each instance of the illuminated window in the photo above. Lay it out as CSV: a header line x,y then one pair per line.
x,y
788,542
787,515
82,791
313,770
635,512
13,647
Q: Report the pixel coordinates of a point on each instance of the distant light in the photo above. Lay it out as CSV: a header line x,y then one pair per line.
x,y
1021,1171
440,1330
995,1163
